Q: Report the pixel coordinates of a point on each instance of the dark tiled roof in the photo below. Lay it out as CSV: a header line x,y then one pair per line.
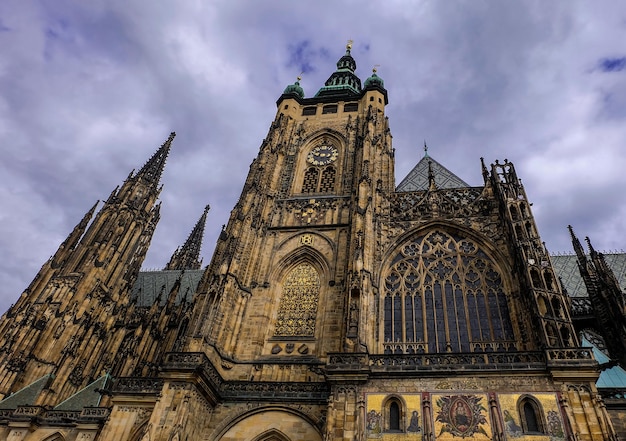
x,y
25,396
86,397
417,179
150,283
566,268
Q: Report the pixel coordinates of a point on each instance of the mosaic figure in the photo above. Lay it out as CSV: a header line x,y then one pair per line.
x,y
373,423
461,415
414,424
510,425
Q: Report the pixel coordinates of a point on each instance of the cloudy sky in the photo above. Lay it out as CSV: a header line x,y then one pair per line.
x,y
89,90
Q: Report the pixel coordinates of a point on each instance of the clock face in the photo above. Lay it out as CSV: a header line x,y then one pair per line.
x,y
322,155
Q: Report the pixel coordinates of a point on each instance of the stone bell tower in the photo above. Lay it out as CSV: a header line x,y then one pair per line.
x,y
290,268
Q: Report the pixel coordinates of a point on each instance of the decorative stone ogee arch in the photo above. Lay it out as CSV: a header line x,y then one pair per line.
x,y
453,228
272,435
57,436
443,291
300,255
294,244
267,420
314,179
338,137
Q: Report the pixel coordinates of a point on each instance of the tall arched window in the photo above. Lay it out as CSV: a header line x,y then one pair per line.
x,y
442,293
394,416
297,311
531,415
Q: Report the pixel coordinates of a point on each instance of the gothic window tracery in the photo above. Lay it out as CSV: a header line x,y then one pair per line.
x,y
297,310
443,293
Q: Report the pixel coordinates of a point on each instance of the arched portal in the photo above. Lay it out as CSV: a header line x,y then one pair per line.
x,y
271,425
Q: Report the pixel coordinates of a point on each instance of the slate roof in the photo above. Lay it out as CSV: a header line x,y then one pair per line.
x,y
150,283
417,179
566,268
86,397
25,396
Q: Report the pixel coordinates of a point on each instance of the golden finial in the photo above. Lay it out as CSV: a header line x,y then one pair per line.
x,y
349,45
299,77
375,68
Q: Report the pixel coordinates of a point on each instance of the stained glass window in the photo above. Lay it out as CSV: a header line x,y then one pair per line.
x,y
298,306
443,293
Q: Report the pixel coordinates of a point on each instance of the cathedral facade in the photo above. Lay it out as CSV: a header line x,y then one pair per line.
x,y
336,306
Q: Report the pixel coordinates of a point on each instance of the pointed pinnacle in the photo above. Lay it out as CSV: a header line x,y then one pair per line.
x,y
431,177
85,220
578,248
188,256
592,251
153,169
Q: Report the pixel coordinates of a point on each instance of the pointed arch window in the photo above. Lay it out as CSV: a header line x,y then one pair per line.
x,y
531,415
443,293
316,182
311,178
297,310
327,183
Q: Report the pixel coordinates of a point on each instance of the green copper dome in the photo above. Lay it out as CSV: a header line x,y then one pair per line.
x,y
294,88
374,80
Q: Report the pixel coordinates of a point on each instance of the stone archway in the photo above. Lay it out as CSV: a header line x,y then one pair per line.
x,y
271,425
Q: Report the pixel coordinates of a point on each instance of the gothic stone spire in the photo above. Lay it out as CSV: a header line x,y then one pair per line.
x,y
152,170
188,256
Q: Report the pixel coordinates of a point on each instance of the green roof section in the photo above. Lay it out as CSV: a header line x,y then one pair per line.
x,y
89,396
27,395
152,284
294,89
417,179
611,377
566,267
343,82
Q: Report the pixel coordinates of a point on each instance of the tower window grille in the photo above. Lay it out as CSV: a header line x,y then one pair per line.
x,y
297,310
443,293
316,182
327,183
311,178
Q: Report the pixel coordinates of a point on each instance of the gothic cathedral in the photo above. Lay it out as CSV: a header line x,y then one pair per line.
x,y
336,306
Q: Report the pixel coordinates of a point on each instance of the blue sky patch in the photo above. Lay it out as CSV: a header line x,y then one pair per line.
x,y
301,54
613,64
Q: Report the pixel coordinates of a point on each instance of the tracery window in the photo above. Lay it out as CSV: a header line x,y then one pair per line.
x,y
298,306
443,293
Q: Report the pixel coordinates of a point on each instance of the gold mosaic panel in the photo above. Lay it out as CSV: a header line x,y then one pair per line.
x,y
298,306
461,416
412,414
551,417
